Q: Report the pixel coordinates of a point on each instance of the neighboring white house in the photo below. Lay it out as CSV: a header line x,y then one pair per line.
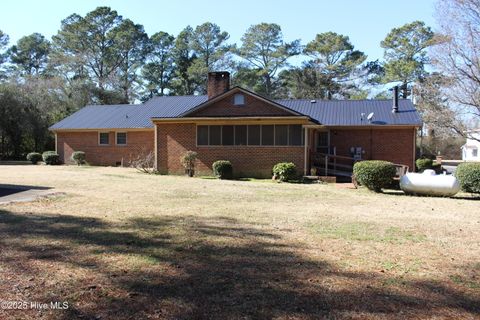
x,y
471,149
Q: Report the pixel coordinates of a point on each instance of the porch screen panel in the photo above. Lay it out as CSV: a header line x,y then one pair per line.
x,y
254,135
240,135
281,135
295,135
202,135
227,135
215,135
267,135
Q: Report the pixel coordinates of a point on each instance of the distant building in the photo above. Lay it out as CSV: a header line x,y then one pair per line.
x,y
470,150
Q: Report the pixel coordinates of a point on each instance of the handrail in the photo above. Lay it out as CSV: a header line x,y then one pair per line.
x,y
331,156
328,160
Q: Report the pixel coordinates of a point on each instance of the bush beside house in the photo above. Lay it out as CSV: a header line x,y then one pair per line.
x,y
285,171
51,158
468,175
223,169
34,157
78,157
374,174
188,161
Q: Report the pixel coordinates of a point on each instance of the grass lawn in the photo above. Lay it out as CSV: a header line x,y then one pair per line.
x,y
122,245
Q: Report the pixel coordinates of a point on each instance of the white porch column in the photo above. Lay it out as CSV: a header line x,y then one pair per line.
x,y
155,146
306,152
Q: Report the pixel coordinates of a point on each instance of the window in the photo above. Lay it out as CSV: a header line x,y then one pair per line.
x,y
227,135
121,138
281,135
215,136
295,135
238,99
240,135
254,135
103,138
202,135
267,135
251,135
474,152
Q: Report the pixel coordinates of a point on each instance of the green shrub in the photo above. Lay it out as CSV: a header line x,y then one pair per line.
x,y
427,163
188,161
285,171
468,175
223,169
423,164
78,157
51,158
374,174
34,157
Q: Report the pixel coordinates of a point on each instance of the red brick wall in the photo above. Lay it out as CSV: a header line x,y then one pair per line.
x,y
175,139
395,145
87,141
253,107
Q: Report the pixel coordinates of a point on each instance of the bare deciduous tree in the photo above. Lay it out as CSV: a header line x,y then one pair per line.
x,y
457,57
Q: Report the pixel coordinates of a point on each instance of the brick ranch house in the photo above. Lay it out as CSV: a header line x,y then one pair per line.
x,y
251,131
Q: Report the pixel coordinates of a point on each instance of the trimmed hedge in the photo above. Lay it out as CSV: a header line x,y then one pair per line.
x,y
78,157
468,175
34,157
374,174
285,171
223,169
51,158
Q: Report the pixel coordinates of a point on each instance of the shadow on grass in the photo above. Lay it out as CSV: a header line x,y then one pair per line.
x,y
456,197
9,189
203,268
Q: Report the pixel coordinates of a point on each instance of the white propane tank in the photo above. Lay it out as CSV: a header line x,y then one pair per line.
x,y
430,184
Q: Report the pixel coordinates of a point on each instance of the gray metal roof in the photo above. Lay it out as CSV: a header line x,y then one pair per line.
x,y
349,112
173,106
326,112
126,116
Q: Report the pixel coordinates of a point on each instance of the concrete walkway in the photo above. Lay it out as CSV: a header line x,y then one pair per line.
x,y
18,193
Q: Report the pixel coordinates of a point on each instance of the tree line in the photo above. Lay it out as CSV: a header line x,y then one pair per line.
x,y
104,58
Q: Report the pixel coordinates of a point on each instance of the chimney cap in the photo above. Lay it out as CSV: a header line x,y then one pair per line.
x,y
219,73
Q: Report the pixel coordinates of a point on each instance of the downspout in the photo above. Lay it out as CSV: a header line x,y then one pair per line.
x,y
56,143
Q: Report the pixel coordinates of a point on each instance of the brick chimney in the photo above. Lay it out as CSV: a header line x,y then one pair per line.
x,y
217,83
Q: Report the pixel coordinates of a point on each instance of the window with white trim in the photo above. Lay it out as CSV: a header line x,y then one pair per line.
x,y
121,138
103,138
474,152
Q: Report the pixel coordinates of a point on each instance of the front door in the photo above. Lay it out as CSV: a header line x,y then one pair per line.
x,y
322,142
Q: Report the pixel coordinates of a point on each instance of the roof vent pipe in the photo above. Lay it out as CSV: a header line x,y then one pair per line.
x,y
395,100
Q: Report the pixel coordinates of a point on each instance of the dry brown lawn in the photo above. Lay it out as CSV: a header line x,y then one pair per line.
x,y
123,245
